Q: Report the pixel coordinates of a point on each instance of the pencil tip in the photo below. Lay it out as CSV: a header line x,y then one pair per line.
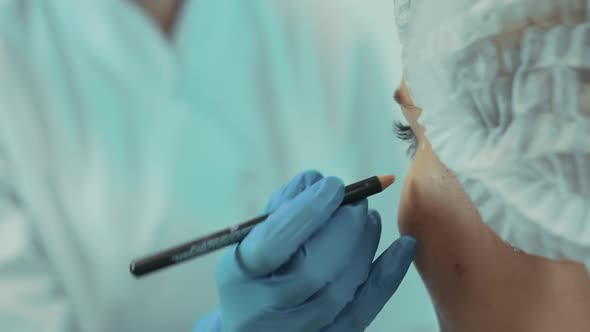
x,y
386,181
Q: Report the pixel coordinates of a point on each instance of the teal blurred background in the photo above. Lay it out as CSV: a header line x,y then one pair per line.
x,y
151,145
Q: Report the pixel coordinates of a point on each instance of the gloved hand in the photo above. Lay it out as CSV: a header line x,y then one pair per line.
x,y
309,266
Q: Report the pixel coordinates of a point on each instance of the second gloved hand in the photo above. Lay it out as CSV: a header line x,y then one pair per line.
x,y
309,266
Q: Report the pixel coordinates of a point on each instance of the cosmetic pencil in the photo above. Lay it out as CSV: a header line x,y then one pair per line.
x,y
232,235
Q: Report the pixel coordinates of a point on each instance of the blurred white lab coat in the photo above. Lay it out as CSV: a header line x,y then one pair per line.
x,y
116,142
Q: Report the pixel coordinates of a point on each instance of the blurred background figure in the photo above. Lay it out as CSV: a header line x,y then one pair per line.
x,y
130,126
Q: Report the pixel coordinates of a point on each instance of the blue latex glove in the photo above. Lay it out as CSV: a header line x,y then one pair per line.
x,y
309,266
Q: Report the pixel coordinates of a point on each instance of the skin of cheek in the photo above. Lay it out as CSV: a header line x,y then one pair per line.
x,y
456,251
472,276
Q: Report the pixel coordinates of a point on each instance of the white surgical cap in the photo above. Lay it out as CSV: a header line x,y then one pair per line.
x,y
505,90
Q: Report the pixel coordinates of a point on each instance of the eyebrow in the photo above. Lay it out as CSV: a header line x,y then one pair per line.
x,y
396,96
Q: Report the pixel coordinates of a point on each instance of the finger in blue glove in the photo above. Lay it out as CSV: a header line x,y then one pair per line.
x,y
387,273
289,191
271,243
323,308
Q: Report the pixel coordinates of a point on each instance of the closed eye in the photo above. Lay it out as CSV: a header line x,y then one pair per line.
x,y
406,134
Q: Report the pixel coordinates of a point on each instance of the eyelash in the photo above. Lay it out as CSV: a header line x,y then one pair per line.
x,y
406,134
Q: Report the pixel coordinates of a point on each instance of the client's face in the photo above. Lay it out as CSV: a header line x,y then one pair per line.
x,y
477,282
